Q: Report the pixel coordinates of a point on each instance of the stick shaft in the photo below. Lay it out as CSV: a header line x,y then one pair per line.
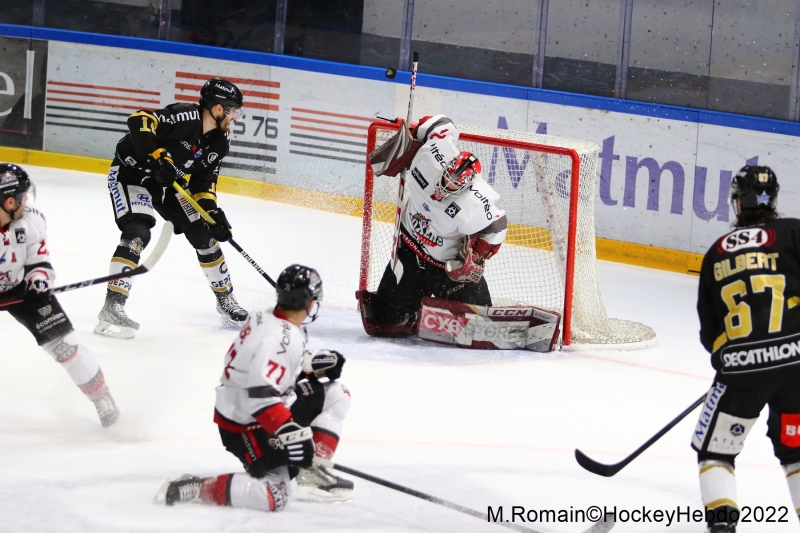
x,y
208,218
146,266
402,186
609,470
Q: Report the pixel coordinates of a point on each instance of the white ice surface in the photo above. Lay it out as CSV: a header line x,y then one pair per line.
x,y
477,428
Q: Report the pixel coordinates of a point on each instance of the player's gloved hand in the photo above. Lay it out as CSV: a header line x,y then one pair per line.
x,y
222,229
297,443
323,363
163,167
37,286
470,270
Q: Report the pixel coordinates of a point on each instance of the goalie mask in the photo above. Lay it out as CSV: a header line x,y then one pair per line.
x,y
755,187
458,175
297,287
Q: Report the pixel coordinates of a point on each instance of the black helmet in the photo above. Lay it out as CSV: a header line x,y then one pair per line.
x,y
14,182
220,91
755,187
298,286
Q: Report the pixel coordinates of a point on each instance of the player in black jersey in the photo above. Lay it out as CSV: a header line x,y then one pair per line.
x,y
183,142
749,308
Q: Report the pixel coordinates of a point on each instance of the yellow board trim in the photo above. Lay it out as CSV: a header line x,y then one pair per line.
x,y
607,249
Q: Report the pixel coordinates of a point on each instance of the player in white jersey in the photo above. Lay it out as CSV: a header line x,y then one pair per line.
x,y
450,226
273,413
26,272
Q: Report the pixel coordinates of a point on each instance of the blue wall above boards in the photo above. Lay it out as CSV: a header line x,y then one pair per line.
x,y
599,103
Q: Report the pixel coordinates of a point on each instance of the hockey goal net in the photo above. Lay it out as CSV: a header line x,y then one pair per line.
x,y
548,258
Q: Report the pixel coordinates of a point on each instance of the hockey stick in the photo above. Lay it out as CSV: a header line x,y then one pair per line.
x,y
609,470
597,527
146,266
208,218
402,186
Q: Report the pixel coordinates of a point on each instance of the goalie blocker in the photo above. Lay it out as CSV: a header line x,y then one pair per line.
x,y
472,326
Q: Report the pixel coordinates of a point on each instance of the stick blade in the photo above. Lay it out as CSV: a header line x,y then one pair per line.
x,y
160,247
594,467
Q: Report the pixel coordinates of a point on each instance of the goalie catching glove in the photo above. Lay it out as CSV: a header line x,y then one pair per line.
x,y
163,167
472,260
323,363
298,444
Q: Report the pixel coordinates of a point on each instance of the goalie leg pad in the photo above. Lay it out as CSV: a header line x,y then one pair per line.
x,y
475,326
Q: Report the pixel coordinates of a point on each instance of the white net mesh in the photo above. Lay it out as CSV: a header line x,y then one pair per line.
x,y
530,268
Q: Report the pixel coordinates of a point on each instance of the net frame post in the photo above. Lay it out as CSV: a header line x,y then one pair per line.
x,y
566,336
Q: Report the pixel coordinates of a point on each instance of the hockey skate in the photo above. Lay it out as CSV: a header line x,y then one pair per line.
x,y
184,489
319,484
114,322
232,313
107,410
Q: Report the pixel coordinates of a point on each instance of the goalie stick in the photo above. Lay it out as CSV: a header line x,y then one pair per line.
x,y
402,186
609,470
213,222
146,266
597,527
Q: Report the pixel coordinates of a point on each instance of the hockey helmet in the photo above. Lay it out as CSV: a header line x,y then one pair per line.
x,y
221,91
458,175
297,287
14,182
756,187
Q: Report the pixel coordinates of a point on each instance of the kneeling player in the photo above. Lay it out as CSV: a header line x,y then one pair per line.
x,y
750,323
450,227
27,273
273,413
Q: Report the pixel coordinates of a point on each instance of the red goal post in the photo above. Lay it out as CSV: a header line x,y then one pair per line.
x,y
549,227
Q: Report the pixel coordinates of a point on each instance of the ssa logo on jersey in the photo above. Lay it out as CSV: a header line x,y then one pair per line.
x,y
746,238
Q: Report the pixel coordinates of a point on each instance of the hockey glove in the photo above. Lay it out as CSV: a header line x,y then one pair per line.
x,y
323,363
163,167
468,268
37,287
298,443
222,229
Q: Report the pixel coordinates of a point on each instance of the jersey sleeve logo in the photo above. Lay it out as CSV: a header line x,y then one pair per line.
x,y
452,210
419,177
20,233
746,238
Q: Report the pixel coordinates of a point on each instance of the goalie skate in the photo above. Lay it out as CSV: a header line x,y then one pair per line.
x,y
114,322
319,484
182,489
232,313
107,411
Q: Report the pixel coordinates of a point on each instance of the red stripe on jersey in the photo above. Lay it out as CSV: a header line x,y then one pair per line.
x,y
325,443
273,417
229,425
